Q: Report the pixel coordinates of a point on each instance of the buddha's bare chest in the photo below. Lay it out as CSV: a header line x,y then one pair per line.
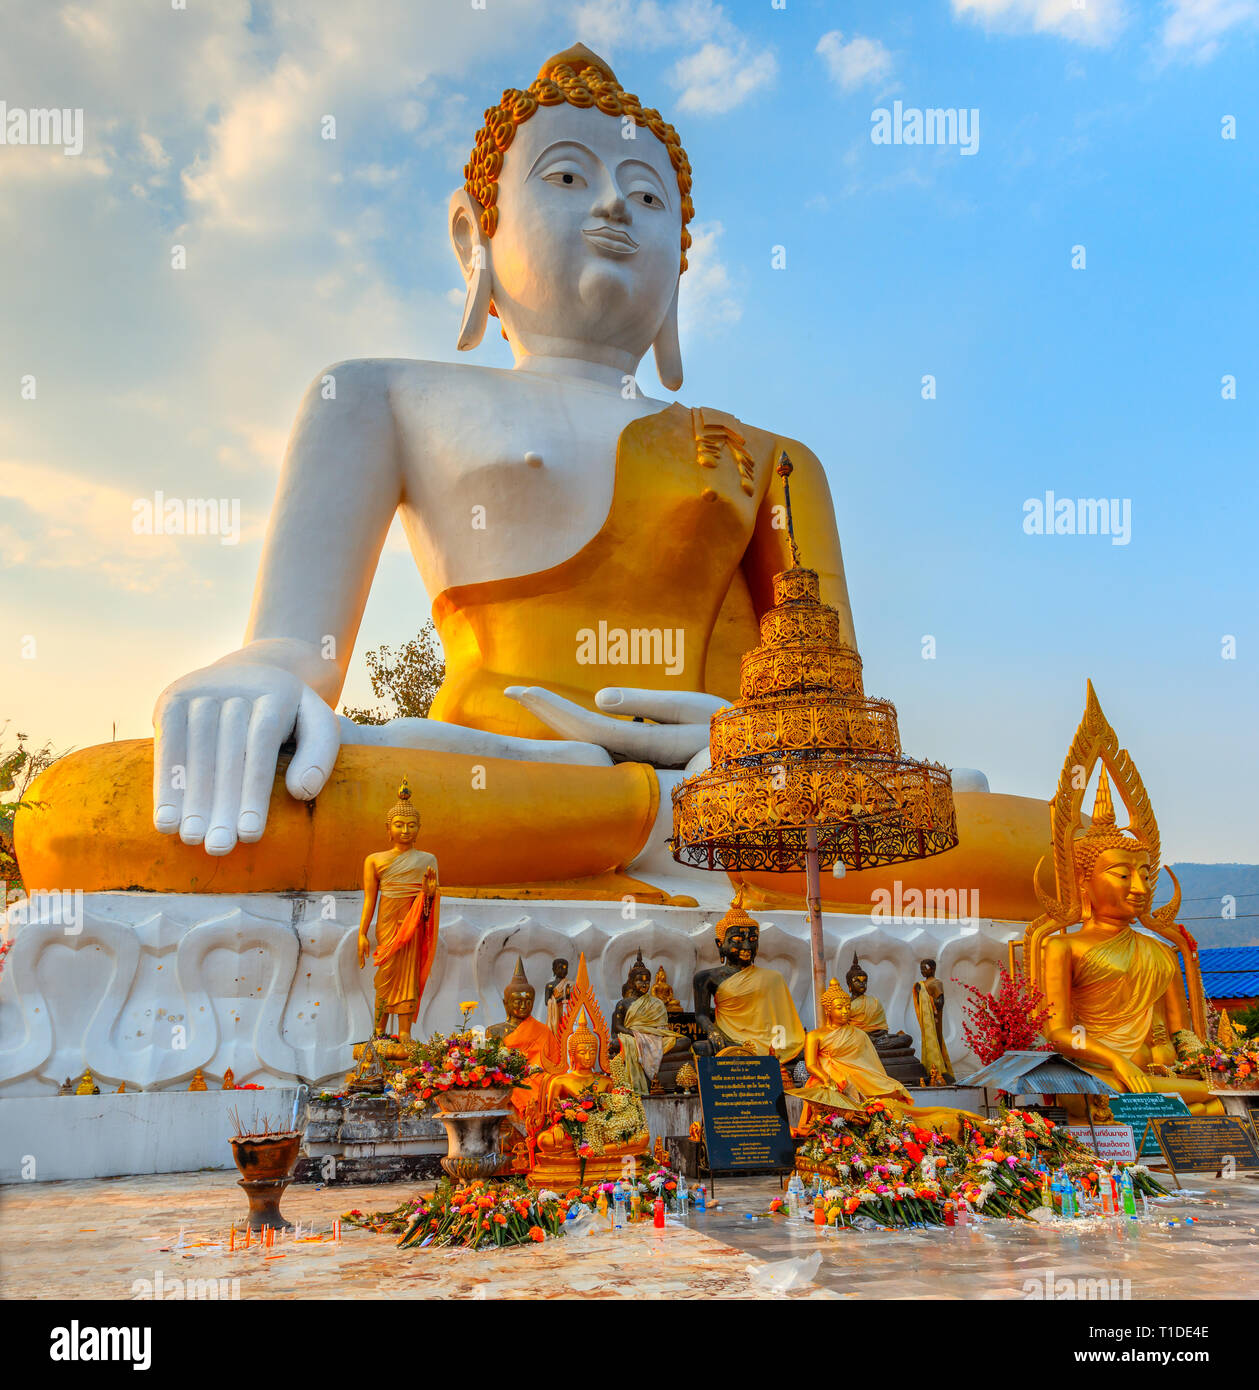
x,y
505,477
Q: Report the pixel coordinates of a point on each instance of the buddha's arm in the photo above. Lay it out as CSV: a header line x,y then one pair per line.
x,y
219,729
1075,1042
811,1056
371,892
817,536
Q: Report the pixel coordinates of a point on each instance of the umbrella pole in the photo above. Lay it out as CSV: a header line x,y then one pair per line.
x,y
813,881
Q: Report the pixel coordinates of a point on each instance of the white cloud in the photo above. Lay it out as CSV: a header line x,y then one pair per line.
x,y
719,77
707,301
855,62
1094,22
1194,29
722,71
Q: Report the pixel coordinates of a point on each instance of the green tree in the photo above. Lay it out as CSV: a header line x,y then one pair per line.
x,y
19,767
408,679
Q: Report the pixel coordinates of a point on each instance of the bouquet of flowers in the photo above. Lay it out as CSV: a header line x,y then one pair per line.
x,y
458,1061
1226,1068
882,1165
492,1214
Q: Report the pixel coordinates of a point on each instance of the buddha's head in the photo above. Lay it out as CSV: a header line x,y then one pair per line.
x,y
1112,867
638,981
571,225
583,1046
403,819
738,935
559,968
519,995
927,968
836,1005
858,980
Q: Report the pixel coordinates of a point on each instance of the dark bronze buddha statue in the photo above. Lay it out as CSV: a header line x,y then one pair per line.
x,y
896,1050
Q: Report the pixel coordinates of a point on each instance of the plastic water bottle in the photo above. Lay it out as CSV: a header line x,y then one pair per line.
x,y
619,1207
700,1201
1129,1196
795,1196
1068,1196
683,1197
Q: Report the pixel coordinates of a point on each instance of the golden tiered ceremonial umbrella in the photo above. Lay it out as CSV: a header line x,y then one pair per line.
x,y
807,770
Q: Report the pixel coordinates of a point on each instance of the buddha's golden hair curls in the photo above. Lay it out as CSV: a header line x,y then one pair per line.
x,y
580,78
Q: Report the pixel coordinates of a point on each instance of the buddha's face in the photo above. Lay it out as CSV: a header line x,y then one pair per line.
x,y
740,945
519,1002
560,967
1118,889
589,233
857,984
638,983
404,829
583,1053
838,1012
926,968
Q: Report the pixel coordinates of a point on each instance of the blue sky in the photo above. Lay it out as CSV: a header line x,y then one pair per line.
x,y
1098,127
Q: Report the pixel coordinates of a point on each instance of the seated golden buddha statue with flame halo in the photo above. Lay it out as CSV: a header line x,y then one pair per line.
x,y
616,1124
1118,1004
607,515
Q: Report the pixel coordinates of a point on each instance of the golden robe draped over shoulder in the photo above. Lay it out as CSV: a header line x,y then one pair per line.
x,y
540,1045
1116,985
648,1039
753,1008
935,1054
868,1015
846,1058
406,931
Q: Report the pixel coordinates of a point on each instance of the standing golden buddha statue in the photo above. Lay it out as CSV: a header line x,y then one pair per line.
x,y
1118,1004
402,881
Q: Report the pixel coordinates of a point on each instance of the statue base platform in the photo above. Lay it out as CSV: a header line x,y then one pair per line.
x,y
561,1171
145,988
362,1139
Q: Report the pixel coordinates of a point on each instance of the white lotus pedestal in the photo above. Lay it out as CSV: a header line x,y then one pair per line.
x,y
473,1119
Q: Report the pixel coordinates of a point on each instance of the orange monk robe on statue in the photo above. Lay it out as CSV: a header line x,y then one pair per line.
x,y
406,941
540,1046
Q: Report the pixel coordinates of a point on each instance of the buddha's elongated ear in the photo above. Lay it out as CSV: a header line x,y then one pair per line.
x,y
472,247
667,349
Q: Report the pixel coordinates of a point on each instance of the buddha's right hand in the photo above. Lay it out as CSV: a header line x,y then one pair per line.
x,y
218,734
1130,1076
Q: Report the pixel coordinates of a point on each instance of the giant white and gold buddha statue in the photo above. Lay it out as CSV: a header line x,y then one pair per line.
x,y
599,561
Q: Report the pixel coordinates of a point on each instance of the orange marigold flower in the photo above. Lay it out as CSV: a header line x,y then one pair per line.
x,y
536,1233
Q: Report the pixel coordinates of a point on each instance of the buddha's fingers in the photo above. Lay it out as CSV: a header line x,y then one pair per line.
x,y
318,739
203,730
229,771
170,753
668,706
268,729
662,745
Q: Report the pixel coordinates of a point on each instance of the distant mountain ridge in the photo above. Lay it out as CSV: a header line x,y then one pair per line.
x,y
1205,888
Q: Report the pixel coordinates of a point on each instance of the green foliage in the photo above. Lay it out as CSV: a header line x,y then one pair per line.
x,y
20,765
409,679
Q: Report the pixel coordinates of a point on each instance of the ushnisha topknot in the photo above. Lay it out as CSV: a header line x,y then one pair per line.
x,y
404,806
1103,833
580,78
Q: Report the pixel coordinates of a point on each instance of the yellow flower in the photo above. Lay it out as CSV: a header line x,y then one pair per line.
x,y
468,1006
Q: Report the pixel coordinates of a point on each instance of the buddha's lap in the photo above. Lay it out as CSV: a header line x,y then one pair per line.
x,y
489,821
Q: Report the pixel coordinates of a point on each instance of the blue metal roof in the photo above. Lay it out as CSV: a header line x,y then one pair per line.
x,y
1230,972
1026,1073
